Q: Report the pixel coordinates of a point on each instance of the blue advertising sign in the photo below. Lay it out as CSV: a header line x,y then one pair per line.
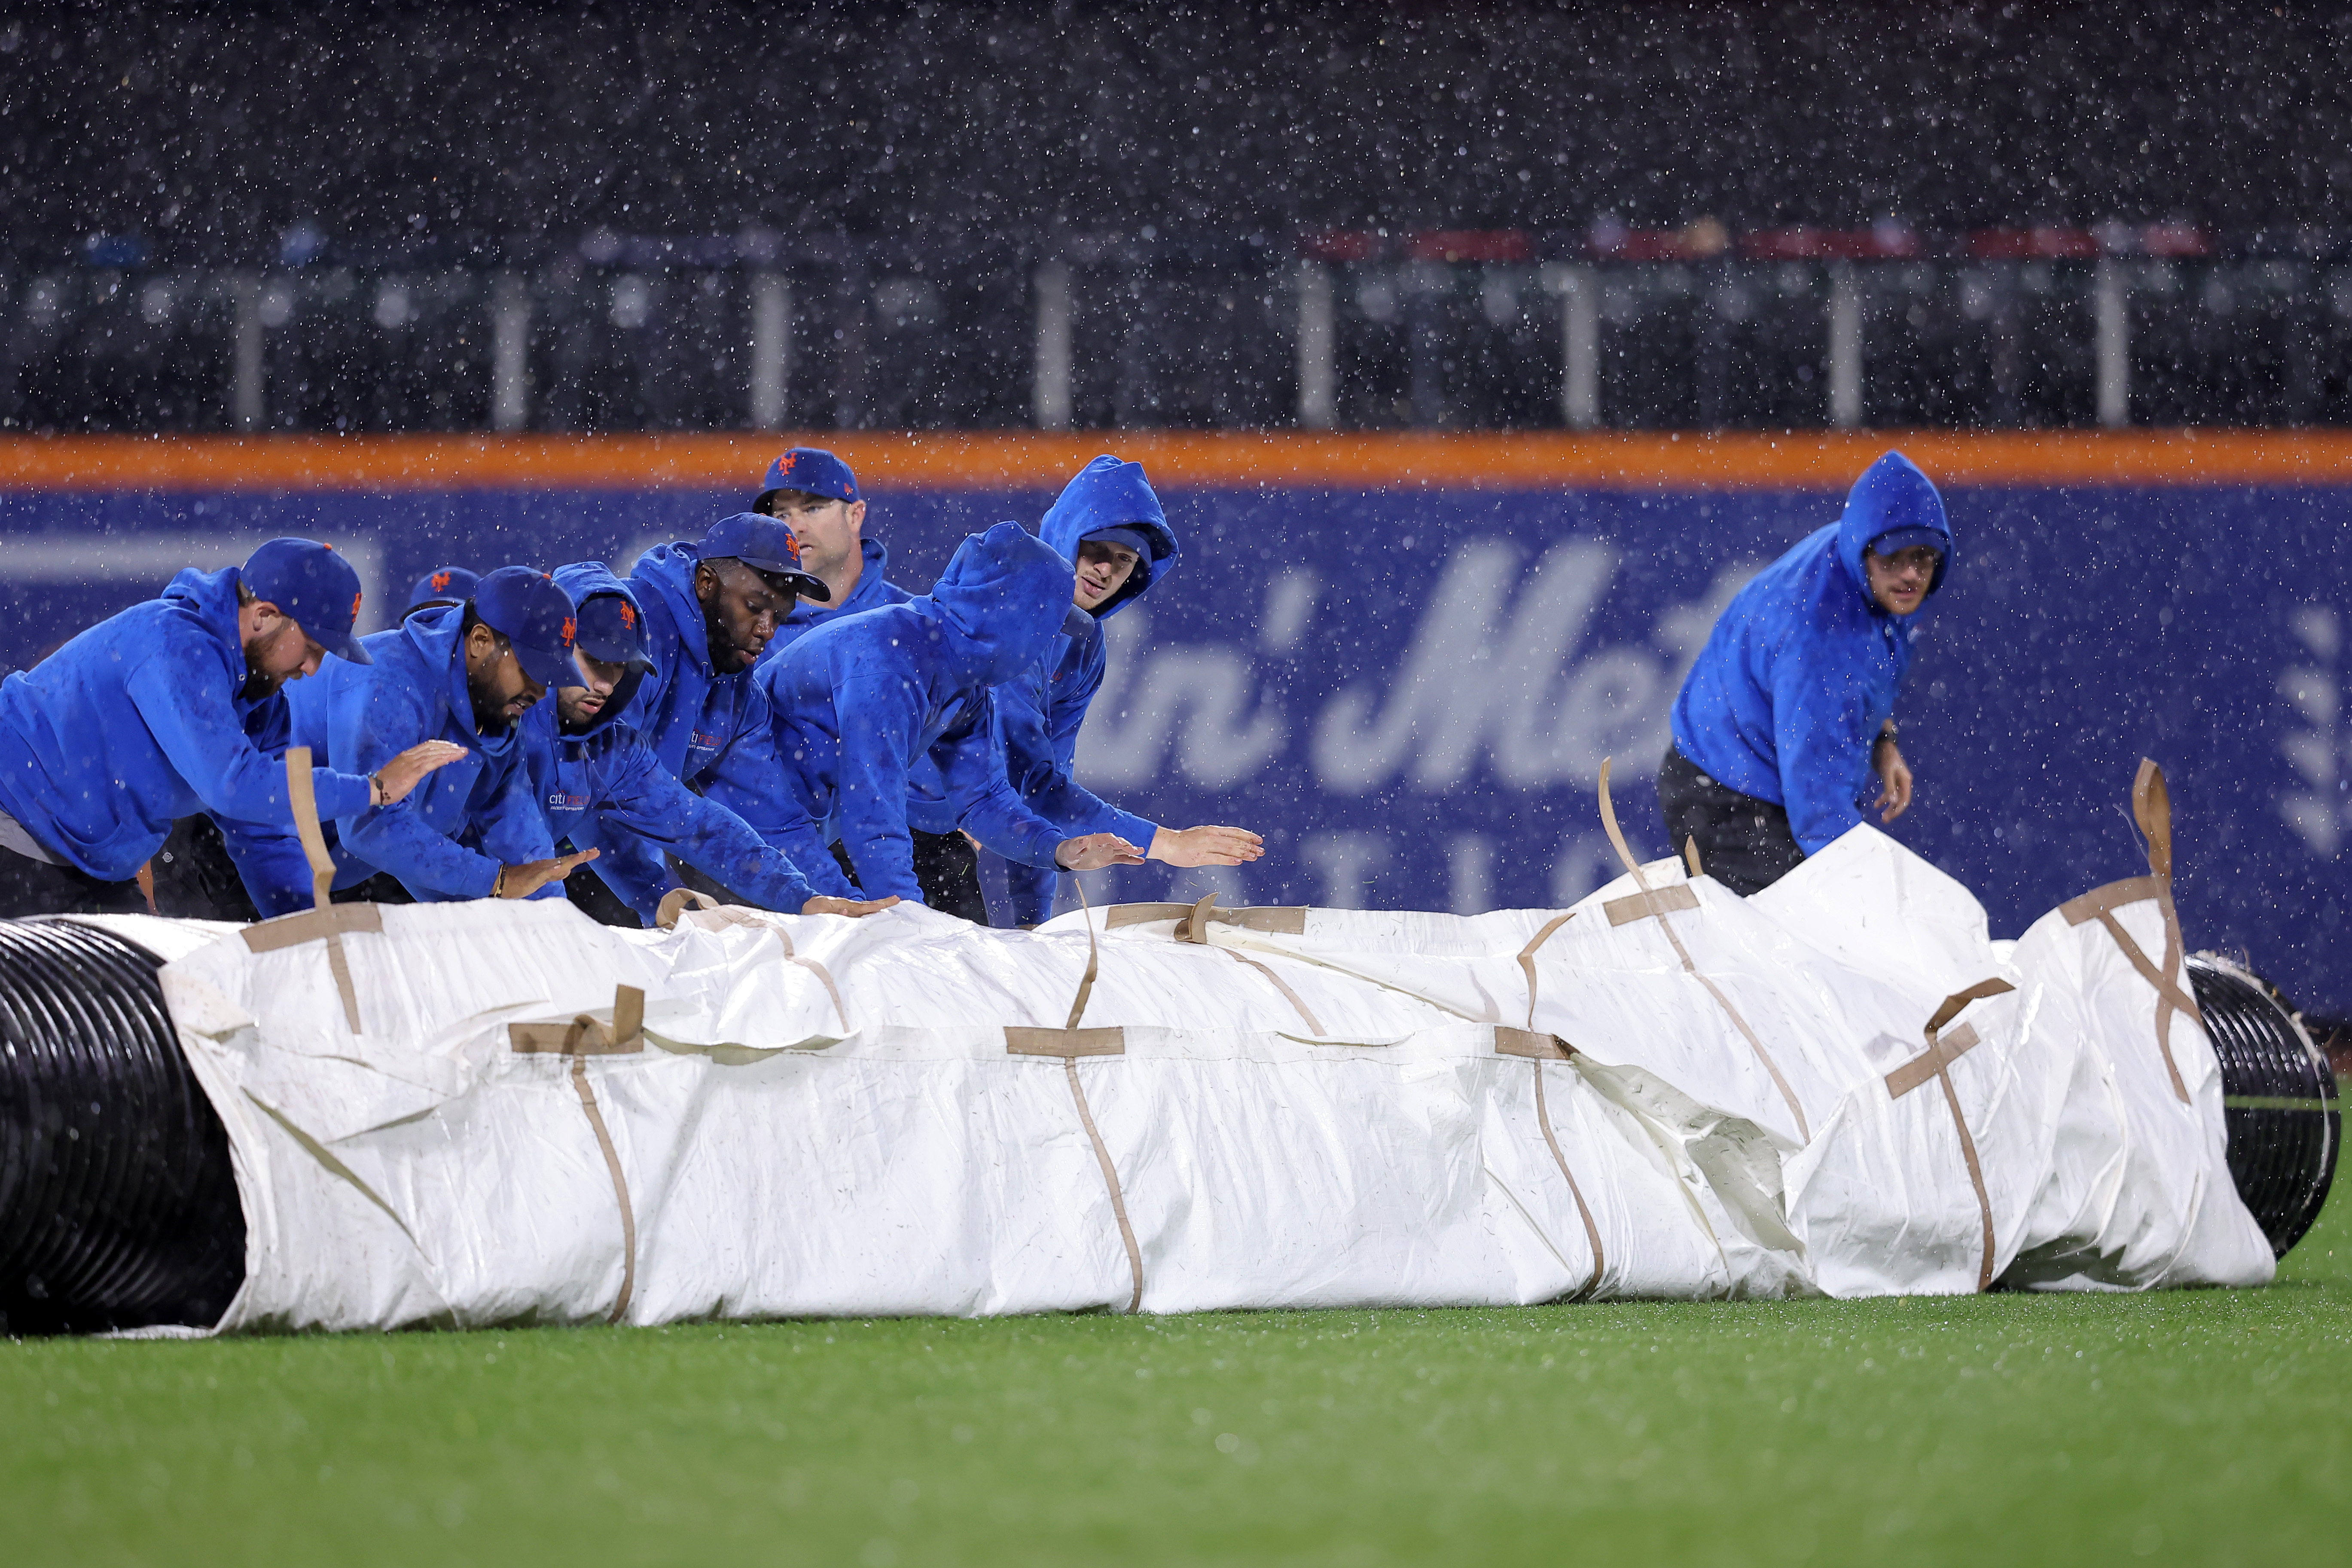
x,y
1411,692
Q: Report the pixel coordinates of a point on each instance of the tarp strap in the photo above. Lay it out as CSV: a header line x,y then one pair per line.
x,y
1641,880
1527,958
1277,920
620,1186
676,902
791,956
1583,1210
304,800
1690,856
1314,1025
1935,1063
1070,1043
2152,810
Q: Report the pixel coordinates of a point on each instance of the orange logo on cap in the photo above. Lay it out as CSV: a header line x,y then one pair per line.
x,y
568,624
785,464
628,615
440,581
355,605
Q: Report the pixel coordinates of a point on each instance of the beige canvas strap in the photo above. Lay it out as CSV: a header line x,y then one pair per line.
x,y
326,920
1650,905
823,974
1273,919
1658,911
1527,958
585,1035
1943,1050
1314,1025
1070,1043
676,902
2152,810
1583,1209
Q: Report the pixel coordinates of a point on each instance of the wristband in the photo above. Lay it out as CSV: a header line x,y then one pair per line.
x,y
499,884
377,794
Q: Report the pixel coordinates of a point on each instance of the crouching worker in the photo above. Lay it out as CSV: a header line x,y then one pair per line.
x,y
177,706
1109,525
465,674
588,769
856,702
1788,710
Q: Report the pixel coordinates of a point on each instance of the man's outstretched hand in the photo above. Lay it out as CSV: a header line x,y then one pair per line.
x,y
407,770
1893,781
853,908
1206,846
1095,851
521,881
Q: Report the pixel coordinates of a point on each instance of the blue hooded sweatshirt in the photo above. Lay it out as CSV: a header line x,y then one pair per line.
x,y
1789,694
859,702
686,711
448,838
139,720
873,590
593,782
1040,712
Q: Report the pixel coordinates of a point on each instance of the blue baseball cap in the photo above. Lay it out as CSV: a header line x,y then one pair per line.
x,y
524,605
442,586
809,468
764,543
312,587
612,632
1894,541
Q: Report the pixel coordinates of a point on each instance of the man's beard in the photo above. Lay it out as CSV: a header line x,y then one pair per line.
x,y
727,654
258,683
489,714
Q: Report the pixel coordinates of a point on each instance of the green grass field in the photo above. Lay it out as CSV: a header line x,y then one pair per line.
x,y
2204,1426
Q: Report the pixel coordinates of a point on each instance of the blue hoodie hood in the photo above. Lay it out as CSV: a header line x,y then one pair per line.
x,y
583,580
1891,494
998,606
1108,493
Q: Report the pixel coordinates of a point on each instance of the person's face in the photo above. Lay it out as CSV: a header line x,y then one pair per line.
x,y
578,705
276,651
740,611
831,532
1899,582
1104,568
503,691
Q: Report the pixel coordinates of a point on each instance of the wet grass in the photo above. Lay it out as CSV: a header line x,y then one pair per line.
x,y
2202,1426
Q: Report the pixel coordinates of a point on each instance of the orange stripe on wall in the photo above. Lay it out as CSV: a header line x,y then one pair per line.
x,y
997,460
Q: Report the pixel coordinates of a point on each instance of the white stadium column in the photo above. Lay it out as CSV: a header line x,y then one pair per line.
x,y
772,348
510,353
1319,377
247,410
1579,288
1845,348
1051,392
2109,298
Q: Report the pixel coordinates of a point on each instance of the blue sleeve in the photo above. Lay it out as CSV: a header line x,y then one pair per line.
x,y
881,720
197,727
1039,737
365,734
269,861
514,830
654,809
1821,730
1030,889
983,797
748,781
626,864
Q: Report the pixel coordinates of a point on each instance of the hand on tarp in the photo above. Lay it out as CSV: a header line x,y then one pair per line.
x,y
407,770
853,908
1206,846
1894,781
1096,851
521,881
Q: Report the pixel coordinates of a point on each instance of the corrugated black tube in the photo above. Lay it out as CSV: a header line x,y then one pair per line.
x,y
118,1202
2278,1098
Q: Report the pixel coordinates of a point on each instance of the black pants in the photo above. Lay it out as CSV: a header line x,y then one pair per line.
x,y
194,878
947,867
30,886
1744,843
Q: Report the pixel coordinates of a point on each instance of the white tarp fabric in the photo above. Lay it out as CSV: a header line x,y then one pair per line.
x,y
1679,1093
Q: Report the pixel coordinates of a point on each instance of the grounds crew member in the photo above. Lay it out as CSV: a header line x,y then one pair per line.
x,y
173,707
1788,710
817,494
710,607
1109,525
857,703
467,674
588,769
